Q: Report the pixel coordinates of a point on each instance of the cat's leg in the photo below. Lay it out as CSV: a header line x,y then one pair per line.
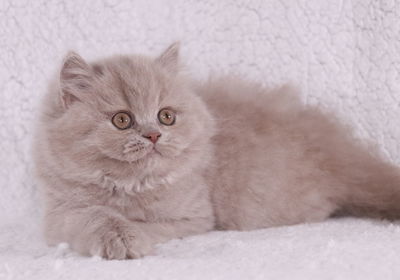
x,y
95,230
100,230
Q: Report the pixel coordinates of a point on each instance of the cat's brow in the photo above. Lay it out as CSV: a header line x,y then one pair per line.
x,y
124,89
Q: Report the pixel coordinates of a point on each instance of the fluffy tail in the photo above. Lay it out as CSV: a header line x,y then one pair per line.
x,y
367,184
363,182
372,189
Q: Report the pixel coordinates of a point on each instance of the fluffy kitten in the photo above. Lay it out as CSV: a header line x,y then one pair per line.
x,y
130,154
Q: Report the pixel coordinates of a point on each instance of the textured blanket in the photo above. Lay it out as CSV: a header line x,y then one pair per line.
x,y
343,55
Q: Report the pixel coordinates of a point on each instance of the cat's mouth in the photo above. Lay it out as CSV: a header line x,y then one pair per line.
x,y
139,151
131,152
155,151
142,154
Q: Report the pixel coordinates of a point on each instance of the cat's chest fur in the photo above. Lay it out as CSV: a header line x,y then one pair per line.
x,y
155,203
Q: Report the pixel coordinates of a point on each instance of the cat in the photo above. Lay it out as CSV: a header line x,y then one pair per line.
x,y
130,152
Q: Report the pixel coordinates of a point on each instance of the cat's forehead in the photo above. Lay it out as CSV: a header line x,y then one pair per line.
x,y
134,82
136,73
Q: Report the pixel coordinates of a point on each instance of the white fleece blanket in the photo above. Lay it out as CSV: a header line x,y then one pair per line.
x,y
343,54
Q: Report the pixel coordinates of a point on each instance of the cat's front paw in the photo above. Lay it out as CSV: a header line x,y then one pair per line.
x,y
122,243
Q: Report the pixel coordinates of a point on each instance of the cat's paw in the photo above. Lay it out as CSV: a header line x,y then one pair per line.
x,y
122,243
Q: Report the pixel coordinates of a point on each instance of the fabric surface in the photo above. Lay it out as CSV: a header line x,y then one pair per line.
x,y
342,54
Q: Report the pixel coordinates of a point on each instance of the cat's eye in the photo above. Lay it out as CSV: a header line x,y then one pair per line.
x,y
166,116
122,120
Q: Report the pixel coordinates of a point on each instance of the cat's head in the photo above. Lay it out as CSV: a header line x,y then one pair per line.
x,y
128,116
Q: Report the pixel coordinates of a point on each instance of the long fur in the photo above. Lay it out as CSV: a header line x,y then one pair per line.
x,y
240,156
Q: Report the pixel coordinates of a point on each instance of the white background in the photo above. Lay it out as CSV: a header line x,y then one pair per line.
x,y
342,54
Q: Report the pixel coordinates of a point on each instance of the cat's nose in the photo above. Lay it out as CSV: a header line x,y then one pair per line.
x,y
152,136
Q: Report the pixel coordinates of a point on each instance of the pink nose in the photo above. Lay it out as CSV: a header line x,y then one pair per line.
x,y
152,136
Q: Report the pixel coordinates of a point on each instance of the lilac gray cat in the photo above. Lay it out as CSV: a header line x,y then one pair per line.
x,y
131,153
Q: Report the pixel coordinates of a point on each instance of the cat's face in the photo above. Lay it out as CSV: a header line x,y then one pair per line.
x,y
134,113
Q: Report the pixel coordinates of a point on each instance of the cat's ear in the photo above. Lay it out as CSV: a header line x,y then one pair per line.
x,y
169,59
75,79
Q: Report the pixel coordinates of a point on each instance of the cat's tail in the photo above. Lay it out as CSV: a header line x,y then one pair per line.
x,y
371,186
361,181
